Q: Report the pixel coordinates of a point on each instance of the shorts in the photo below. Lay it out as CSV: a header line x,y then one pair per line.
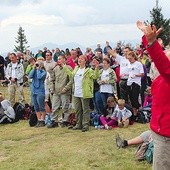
x,y
146,136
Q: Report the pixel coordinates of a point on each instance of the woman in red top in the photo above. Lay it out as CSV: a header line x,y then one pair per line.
x,y
160,121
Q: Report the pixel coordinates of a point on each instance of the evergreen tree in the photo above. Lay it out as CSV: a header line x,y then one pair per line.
x,y
157,18
21,41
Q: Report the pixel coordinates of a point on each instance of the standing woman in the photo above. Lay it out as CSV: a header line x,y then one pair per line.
x,y
38,75
82,91
107,81
136,72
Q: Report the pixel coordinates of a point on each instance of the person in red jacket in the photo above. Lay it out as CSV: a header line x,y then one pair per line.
x,y
160,121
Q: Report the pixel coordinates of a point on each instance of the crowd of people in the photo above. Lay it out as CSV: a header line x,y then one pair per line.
x,y
115,80
87,79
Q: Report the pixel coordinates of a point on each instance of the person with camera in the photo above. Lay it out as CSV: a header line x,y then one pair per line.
x,y
38,75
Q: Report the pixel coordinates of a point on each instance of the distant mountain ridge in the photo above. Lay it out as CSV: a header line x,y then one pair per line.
x,y
70,45
51,46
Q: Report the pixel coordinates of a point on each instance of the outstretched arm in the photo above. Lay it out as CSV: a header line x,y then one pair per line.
x,y
154,49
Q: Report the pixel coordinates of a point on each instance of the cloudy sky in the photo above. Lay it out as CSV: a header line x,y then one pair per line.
x,y
86,22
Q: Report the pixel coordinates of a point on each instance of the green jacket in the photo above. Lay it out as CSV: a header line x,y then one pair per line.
x,y
28,69
88,77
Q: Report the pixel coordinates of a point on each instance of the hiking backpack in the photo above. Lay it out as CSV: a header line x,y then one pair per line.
x,y
140,152
72,119
149,153
19,111
33,119
144,115
28,111
94,119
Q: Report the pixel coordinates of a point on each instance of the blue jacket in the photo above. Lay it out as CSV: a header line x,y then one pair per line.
x,y
38,77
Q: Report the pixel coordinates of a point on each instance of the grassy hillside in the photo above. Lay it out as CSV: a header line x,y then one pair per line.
x,y
28,148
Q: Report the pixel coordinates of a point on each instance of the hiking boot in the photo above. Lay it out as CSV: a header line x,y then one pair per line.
x,y
38,124
77,127
85,128
64,124
53,124
42,123
70,126
119,142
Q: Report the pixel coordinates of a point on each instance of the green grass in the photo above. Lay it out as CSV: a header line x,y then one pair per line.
x,y
26,148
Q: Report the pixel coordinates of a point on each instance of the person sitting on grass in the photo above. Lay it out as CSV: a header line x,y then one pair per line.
x,y
143,137
106,118
122,113
7,113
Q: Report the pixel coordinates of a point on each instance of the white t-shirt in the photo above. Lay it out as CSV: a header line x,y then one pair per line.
x,y
105,88
14,66
78,92
124,63
135,68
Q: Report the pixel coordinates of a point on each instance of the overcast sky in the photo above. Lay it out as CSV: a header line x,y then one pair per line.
x,y
86,22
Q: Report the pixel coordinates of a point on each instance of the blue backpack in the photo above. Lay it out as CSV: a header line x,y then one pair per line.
x,y
94,119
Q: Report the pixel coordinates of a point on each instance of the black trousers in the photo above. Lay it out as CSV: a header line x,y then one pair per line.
x,y
133,92
123,90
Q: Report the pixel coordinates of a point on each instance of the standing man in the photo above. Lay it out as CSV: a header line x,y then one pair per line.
x,y
124,72
49,65
60,86
15,74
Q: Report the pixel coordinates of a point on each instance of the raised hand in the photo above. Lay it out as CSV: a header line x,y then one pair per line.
x,y
149,31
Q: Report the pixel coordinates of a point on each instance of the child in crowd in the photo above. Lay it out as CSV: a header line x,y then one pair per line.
x,y
106,118
7,114
148,98
122,114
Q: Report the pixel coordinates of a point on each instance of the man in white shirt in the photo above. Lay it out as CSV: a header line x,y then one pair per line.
x,y
123,62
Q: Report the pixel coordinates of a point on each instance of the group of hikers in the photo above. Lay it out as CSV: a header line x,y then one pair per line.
x,y
113,82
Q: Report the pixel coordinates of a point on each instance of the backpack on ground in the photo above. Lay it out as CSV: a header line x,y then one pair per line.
x,y
19,111
149,153
140,152
4,119
144,115
72,119
33,119
94,119
28,111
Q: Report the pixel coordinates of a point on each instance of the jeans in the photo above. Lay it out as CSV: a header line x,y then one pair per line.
x,y
98,103
39,102
104,97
